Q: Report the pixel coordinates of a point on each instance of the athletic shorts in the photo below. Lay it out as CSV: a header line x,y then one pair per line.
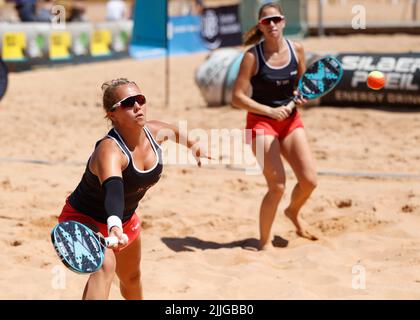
x,y
271,127
131,227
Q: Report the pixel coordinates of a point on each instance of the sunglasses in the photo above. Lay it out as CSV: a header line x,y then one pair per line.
x,y
129,102
267,20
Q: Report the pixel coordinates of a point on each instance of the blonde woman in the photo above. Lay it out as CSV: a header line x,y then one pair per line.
x,y
123,166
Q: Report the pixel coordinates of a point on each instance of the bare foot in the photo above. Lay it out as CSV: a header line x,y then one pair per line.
x,y
266,247
306,234
300,230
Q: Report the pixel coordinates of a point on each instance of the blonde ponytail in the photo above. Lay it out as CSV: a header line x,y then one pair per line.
x,y
252,36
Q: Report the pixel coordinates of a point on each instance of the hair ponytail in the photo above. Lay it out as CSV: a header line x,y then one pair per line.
x,y
252,36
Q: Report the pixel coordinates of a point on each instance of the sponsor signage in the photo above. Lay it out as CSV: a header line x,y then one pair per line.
x,y
220,27
402,80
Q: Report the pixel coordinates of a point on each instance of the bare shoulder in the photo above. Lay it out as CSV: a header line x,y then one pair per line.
x,y
248,64
298,47
107,152
107,149
250,55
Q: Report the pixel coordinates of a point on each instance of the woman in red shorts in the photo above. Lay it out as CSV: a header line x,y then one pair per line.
x,y
123,166
272,68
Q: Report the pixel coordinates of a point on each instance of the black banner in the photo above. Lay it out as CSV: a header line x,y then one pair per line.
x,y
3,79
220,27
213,310
402,80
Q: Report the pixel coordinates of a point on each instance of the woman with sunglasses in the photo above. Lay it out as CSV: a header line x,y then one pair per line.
x,y
271,68
123,166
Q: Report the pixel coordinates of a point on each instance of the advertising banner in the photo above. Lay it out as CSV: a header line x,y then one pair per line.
x,y
13,46
3,78
60,44
402,80
215,28
184,35
220,27
26,44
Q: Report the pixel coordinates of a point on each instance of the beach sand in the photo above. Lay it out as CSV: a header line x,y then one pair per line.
x,y
197,221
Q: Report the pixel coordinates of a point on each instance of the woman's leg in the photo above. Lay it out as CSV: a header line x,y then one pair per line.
x,y
296,151
274,174
99,283
128,270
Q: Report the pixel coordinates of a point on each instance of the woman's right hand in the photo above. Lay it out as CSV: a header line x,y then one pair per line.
x,y
280,113
122,238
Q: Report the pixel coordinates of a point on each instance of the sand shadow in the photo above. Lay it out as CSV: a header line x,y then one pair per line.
x,y
189,243
280,242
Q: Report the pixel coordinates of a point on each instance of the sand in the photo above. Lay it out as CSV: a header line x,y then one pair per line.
x,y
196,220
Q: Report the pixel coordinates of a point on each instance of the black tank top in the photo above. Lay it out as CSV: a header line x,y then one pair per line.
x,y
89,197
273,86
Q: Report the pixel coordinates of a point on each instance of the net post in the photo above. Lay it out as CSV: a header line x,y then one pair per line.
x,y
321,18
167,61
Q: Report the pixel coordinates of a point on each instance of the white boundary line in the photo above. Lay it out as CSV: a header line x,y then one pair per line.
x,y
395,175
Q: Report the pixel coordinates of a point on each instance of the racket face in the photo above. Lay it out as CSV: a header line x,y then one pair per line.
x,y
78,247
3,78
320,78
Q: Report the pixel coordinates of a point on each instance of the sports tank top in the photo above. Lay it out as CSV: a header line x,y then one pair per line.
x,y
88,198
273,86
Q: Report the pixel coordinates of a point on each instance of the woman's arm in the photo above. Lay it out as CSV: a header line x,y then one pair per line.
x,y
163,131
106,163
300,52
301,68
107,160
240,98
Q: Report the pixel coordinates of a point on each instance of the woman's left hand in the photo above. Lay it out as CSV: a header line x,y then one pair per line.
x,y
200,152
300,100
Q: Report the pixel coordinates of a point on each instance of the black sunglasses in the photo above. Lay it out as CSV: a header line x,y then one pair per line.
x,y
267,20
129,102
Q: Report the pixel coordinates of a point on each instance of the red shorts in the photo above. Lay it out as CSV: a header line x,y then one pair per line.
x,y
272,127
131,227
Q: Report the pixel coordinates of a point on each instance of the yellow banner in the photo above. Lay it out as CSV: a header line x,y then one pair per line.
x,y
60,43
100,43
13,45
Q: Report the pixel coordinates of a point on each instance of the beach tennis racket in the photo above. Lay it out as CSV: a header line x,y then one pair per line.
x,y
319,78
79,248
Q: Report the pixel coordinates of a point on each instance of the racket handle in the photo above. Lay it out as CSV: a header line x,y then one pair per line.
x,y
111,241
291,105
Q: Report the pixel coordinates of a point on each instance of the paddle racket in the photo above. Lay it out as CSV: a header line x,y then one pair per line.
x,y
319,78
79,248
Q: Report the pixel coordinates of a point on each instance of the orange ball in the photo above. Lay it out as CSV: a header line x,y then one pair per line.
x,y
376,80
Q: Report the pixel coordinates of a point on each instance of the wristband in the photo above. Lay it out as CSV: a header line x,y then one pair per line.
x,y
114,221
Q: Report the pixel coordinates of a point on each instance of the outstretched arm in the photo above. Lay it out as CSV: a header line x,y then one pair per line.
x,y
107,163
163,131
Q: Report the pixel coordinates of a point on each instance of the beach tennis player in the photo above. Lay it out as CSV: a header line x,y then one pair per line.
x,y
123,166
272,68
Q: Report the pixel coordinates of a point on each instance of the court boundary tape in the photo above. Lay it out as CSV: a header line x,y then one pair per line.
x,y
353,174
